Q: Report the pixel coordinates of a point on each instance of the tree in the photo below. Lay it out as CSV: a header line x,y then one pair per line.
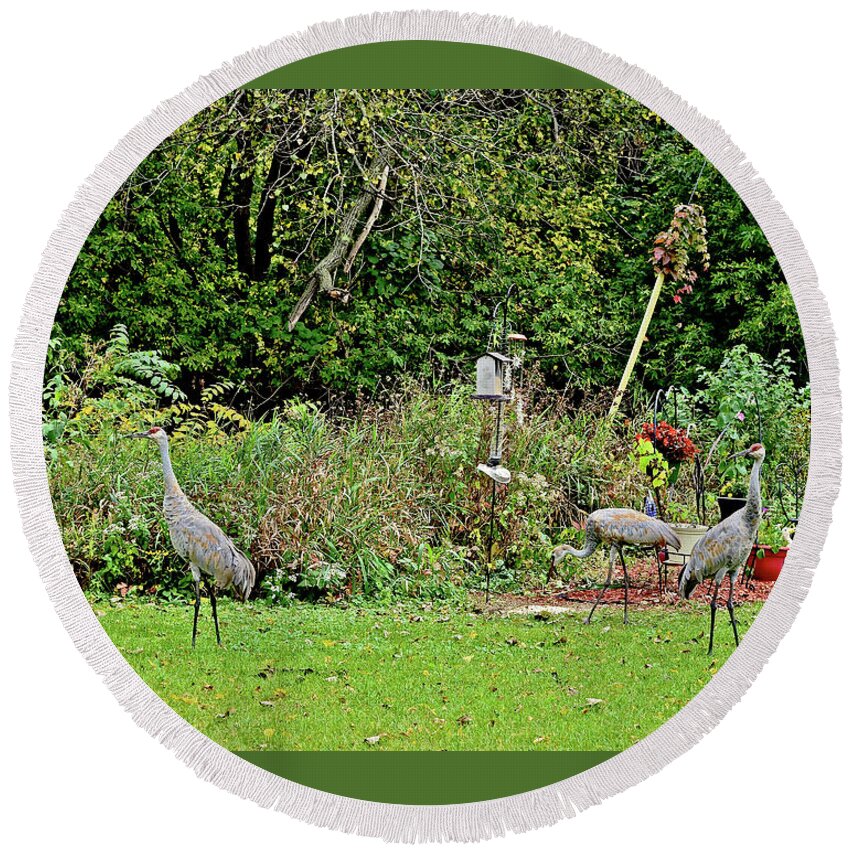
x,y
318,240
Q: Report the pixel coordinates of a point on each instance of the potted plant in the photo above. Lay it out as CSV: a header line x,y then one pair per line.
x,y
770,550
684,520
659,451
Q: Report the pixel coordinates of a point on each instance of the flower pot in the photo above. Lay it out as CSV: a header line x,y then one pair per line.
x,y
728,505
768,564
688,534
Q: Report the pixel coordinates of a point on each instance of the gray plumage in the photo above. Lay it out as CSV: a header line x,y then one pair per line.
x,y
617,527
725,547
210,553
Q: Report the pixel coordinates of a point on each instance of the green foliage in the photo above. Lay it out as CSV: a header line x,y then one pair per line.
x,y
773,535
385,500
652,463
747,400
104,386
212,240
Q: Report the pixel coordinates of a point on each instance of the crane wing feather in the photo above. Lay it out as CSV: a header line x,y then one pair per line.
x,y
197,539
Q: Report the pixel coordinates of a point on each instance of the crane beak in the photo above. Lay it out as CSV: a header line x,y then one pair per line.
x,y
738,454
137,436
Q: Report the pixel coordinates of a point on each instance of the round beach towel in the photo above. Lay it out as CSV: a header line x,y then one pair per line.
x,y
415,422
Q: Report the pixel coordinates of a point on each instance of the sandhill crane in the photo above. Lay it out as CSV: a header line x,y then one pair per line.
x,y
617,527
725,547
210,552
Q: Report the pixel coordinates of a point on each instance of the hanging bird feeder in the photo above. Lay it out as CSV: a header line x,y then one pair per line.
x,y
494,379
491,370
492,383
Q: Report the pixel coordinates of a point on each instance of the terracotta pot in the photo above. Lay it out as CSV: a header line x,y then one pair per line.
x,y
769,565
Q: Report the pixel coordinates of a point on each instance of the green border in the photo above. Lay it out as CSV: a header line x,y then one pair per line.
x,y
428,65
426,778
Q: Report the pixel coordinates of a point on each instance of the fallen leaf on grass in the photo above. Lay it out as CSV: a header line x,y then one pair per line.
x,y
266,702
593,701
374,739
464,720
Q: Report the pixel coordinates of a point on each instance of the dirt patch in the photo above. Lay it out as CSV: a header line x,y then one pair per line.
x,y
560,598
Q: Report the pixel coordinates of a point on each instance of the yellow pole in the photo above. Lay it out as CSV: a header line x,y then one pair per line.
x,y
641,334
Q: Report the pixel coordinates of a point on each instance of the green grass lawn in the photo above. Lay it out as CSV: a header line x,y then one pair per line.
x,y
311,677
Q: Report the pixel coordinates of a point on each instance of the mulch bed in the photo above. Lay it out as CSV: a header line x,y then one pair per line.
x,y
643,590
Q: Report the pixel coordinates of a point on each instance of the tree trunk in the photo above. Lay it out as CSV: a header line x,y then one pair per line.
x,y
243,187
265,217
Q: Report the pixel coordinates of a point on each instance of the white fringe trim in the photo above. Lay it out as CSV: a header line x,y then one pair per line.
x,y
470,821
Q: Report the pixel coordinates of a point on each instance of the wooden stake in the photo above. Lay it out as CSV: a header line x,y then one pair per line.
x,y
641,335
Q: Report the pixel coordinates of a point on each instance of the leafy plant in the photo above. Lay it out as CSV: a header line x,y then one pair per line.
x,y
673,443
773,536
671,253
229,222
681,512
747,399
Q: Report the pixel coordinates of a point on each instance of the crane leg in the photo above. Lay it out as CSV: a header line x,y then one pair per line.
x,y
604,586
658,565
211,590
197,609
625,588
730,607
713,613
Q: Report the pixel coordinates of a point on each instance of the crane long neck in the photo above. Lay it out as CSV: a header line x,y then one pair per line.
x,y
753,510
171,485
591,541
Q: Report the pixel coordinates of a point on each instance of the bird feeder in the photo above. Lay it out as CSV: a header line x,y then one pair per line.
x,y
493,383
491,371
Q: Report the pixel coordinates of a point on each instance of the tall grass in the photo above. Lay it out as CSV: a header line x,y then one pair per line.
x,y
385,499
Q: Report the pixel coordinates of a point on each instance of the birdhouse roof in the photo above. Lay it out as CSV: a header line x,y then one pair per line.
x,y
497,356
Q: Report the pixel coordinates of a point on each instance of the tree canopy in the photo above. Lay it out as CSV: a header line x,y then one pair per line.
x,y
307,241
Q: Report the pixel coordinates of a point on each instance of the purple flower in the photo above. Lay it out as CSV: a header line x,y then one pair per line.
x,y
741,416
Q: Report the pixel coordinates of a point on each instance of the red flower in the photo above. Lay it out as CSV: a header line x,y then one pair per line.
x,y
673,443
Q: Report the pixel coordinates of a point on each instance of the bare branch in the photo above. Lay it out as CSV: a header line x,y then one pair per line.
x,y
370,222
321,280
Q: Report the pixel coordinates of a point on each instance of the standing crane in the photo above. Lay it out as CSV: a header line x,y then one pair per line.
x,y
210,552
725,547
617,527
